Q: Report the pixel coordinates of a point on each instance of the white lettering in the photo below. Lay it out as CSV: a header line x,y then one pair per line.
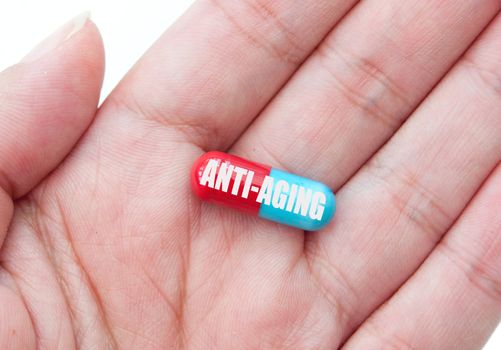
x,y
209,175
292,198
280,194
238,178
248,183
279,198
303,201
317,206
264,195
224,177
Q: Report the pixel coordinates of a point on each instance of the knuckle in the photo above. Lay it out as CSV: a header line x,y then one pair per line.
x,y
482,271
264,28
205,133
412,200
365,84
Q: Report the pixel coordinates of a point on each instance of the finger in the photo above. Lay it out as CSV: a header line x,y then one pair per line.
x,y
361,84
46,102
394,211
454,299
209,75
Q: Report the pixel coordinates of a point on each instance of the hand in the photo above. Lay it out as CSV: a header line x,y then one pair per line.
x,y
105,246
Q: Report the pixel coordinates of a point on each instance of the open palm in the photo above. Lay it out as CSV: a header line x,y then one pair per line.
x,y
384,101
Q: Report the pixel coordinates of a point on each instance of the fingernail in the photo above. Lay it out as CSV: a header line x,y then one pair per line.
x,y
57,38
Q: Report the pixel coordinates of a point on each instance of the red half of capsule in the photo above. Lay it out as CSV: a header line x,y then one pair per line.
x,y
233,194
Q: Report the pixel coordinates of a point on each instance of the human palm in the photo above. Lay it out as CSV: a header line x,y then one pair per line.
x,y
105,245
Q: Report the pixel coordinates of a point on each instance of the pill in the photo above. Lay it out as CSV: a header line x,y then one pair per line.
x,y
263,191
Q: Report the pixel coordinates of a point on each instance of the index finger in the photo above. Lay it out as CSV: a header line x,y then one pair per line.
x,y
209,75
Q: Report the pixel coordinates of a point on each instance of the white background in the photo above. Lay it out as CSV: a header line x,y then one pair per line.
x,y
128,29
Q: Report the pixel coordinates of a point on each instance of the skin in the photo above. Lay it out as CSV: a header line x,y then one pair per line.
x,y
395,105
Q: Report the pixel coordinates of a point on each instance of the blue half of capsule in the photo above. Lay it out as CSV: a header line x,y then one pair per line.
x,y
298,202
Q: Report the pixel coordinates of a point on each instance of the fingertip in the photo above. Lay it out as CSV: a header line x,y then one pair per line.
x,y
48,101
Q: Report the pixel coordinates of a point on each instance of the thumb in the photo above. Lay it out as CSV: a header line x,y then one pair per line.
x,y
47,101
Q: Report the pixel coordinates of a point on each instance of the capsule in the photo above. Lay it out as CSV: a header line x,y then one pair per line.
x,y
263,191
